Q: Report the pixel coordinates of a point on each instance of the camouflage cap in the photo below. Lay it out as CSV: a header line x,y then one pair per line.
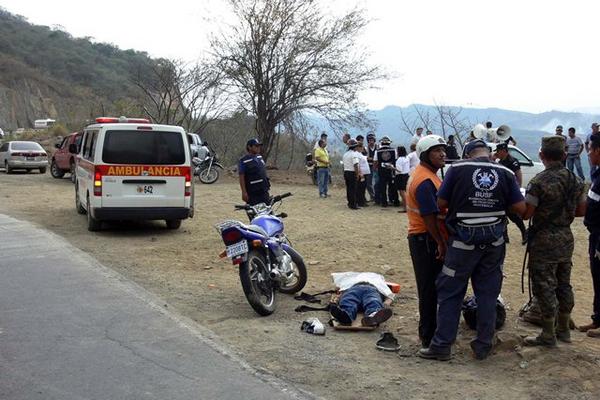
x,y
553,143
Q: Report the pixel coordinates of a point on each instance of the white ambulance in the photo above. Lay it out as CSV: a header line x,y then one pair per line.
x,y
130,169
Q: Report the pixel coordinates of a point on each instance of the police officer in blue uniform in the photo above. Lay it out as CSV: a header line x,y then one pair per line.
x,y
478,193
385,160
592,223
253,175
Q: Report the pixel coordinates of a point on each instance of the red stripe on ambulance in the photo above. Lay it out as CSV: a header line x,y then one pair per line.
x,y
143,170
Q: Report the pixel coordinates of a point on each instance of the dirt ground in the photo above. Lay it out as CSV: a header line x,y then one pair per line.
x,y
183,268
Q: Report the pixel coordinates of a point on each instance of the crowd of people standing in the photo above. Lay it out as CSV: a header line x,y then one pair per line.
x,y
457,227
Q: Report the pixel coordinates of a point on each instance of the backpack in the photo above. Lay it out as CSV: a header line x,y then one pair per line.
x,y
469,311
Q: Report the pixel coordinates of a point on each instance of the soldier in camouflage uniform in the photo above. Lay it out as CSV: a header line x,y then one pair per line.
x,y
554,197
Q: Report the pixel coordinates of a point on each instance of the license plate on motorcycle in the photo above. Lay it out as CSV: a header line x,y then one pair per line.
x,y
237,249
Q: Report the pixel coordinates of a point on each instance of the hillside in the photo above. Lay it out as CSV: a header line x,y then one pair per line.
x,y
46,73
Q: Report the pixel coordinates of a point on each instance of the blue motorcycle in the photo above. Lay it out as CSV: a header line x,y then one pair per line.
x,y
267,261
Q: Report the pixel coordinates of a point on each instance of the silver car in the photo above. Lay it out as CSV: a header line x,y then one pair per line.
x,y
23,155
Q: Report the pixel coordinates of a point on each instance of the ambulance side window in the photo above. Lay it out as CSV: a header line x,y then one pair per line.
x,y
86,144
90,145
93,145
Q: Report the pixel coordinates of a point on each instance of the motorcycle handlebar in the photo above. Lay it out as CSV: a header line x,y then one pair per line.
x,y
280,197
240,207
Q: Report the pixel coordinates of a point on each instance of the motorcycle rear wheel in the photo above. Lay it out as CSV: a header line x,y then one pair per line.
x,y
209,176
258,286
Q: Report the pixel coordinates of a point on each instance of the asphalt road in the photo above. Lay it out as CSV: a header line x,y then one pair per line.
x,y
71,328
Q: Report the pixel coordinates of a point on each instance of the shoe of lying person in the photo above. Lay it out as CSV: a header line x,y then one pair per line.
x,y
340,315
377,317
387,342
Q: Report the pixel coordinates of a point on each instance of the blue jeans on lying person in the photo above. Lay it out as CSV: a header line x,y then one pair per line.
x,y
360,297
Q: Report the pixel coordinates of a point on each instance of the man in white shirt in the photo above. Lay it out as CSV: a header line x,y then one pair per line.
x,y
362,291
413,158
352,175
365,171
418,135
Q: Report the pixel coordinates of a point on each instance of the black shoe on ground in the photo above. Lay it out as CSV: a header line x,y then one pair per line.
x,y
353,207
480,354
377,317
434,355
340,315
387,342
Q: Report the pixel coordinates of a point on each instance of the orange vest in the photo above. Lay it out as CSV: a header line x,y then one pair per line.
x,y
416,224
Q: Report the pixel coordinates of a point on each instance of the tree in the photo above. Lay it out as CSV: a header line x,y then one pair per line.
x,y
176,94
441,120
285,57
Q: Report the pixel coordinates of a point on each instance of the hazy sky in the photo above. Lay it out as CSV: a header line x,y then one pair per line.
x,y
525,55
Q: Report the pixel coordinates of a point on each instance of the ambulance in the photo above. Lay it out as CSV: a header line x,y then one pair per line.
x,y
130,169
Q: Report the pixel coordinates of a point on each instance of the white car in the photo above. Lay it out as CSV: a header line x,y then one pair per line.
x,y
23,155
529,168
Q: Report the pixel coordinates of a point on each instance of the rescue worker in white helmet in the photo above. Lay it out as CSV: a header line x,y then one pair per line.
x,y
427,233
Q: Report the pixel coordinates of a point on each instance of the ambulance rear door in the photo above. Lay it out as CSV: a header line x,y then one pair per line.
x,y
144,168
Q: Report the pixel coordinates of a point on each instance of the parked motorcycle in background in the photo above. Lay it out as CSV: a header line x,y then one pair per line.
x,y
267,261
207,169
311,167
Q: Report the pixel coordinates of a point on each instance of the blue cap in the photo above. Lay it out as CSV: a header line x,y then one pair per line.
x,y
474,144
253,142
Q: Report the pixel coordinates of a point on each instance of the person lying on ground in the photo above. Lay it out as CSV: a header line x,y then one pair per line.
x,y
362,291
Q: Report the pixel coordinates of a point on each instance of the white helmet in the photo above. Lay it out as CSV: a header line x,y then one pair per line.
x,y
428,142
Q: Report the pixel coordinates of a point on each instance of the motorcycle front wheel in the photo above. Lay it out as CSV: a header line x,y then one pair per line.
x,y
209,176
258,286
298,281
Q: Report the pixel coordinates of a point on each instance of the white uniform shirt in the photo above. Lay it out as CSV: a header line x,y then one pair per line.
x,y
403,165
345,280
350,158
364,165
413,160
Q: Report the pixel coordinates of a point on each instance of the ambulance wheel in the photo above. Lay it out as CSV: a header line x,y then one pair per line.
x,y
55,171
78,206
93,224
257,284
173,223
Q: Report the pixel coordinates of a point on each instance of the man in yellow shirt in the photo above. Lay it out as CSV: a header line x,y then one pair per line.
x,y
322,159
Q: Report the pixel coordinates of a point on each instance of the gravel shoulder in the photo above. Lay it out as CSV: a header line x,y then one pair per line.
x,y
183,268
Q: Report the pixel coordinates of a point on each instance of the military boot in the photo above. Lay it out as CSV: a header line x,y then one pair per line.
x,y
545,338
563,329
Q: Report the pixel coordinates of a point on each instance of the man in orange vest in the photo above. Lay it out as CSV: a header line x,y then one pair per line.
x,y
426,230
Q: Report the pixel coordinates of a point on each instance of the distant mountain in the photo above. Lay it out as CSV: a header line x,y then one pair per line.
x,y
527,128
524,125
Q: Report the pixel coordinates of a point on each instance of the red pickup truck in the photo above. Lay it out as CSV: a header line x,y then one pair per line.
x,y
62,160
